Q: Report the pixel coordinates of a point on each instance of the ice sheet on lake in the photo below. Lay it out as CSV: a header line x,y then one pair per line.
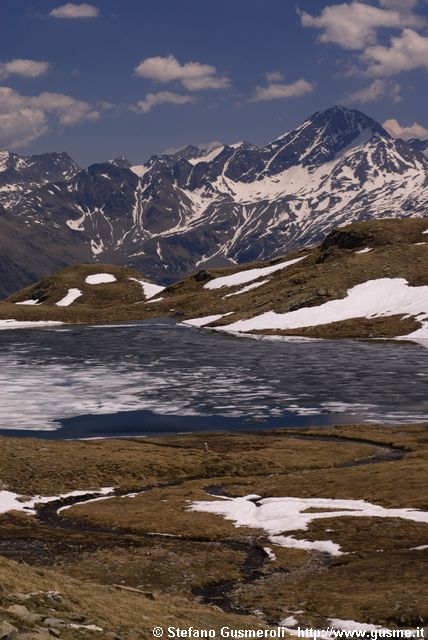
x,y
172,370
27,324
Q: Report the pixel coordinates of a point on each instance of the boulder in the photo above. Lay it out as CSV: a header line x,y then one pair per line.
x,y
7,631
22,613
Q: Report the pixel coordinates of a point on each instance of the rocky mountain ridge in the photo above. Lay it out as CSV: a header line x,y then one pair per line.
x,y
218,206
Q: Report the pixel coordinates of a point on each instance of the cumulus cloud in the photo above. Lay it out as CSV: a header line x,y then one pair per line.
x,y
162,97
72,11
377,90
274,76
276,90
405,52
414,130
25,68
68,110
26,118
194,76
354,25
404,6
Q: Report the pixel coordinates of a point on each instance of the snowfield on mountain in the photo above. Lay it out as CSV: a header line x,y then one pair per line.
x,y
208,208
372,299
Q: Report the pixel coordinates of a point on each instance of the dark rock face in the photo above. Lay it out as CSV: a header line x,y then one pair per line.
x,y
196,209
419,145
21,174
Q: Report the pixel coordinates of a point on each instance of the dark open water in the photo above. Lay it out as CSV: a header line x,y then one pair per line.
x,y
162,377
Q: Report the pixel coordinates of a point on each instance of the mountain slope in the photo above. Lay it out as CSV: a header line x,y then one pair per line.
x,y
368,279
21,174
230,204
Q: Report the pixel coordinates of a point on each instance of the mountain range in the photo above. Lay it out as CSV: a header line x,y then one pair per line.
x,y
200,208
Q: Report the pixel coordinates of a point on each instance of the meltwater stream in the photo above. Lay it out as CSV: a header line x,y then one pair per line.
x,y
162,377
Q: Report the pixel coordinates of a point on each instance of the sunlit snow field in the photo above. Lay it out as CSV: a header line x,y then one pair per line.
x,y
160,371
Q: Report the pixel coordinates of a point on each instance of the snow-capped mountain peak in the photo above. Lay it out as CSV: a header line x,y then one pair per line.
x,y
22,174
227,204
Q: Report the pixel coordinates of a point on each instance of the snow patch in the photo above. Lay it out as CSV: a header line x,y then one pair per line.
x,y
29,302
68,299
243,277
150,290
208,157
249,287
200,322
140,170
366,250
351,625
97,247
155,300
279,515
270,554
100,278
375,298
10,501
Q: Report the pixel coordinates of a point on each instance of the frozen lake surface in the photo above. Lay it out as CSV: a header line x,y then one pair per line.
x,y
161,377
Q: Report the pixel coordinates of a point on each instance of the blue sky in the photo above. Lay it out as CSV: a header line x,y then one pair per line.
x,y
137,77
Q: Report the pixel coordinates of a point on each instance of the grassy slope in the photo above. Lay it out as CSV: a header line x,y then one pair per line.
x,y
107,302
379,580
326,273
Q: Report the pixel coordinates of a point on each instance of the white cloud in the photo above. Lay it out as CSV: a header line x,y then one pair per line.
x,y
68,110
18,128
404,6
72,11
274,76
192,75
354,25
377,90
414,130
406,52
26,118
275,90
26,68
162,97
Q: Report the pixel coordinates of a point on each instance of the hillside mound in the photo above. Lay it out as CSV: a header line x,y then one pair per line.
x,y
83,293
367,279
